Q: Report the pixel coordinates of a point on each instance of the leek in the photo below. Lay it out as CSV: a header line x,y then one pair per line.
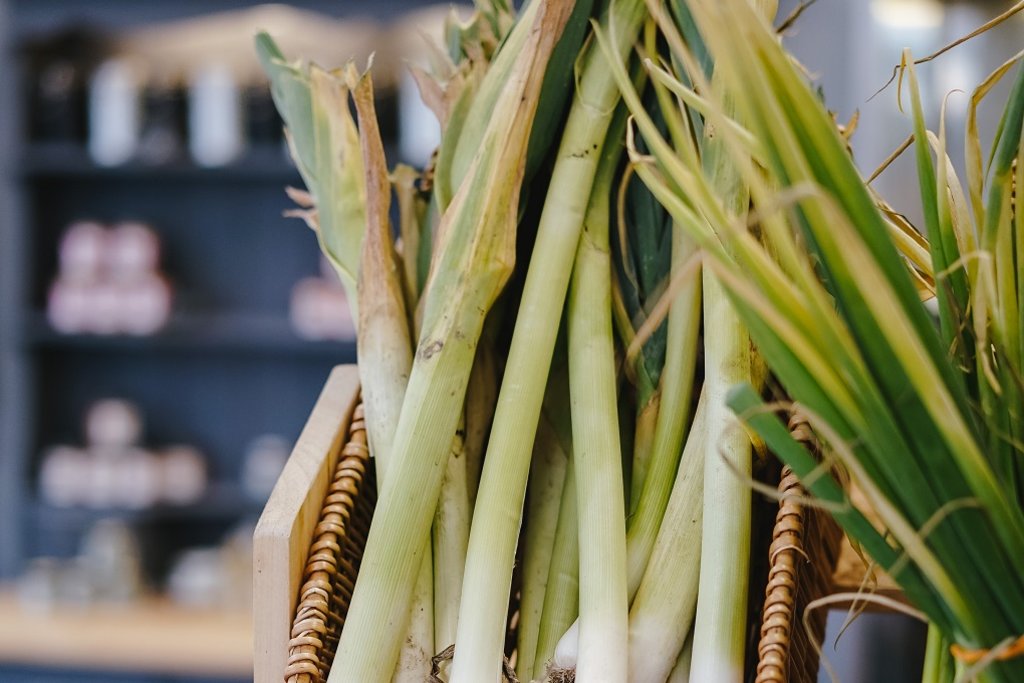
x,y
324,143
740,214
720,626
836,312
492,540
681,670
472,268
450,535
673,410
561,595
385,351
547,479
663,609
604,601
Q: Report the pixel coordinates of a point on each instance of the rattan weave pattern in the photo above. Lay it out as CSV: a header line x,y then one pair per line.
x,y
333,560
802,557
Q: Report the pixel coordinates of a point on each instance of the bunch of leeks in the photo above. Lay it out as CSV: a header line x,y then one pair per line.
x,y
924,414
550,348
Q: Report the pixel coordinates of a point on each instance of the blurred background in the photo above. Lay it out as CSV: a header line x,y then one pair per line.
x,y
164,329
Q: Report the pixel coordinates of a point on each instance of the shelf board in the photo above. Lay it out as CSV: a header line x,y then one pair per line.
x,y
264,334
220,502
151,636
66,160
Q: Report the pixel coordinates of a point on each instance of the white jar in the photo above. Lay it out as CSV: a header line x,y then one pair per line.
x,y
214,116
114,112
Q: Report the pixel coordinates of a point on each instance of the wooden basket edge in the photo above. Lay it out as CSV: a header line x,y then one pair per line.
x,y
283,533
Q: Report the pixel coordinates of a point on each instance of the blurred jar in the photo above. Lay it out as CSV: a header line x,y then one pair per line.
x,y
64,476
183,475
318,308
215,124
143,293
37,587
113,423
265,457
198,578
81,263
115,109
137,480
112,561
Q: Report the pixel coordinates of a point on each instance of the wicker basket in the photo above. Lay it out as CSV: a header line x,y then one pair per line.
x,y
801,560
796,569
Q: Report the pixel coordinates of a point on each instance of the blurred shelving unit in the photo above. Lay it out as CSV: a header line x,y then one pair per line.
x,y
227,366
266,335
71,162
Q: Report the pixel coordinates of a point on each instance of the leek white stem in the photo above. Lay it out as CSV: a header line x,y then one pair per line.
x,y
418,646
547,479
499,509
567,653
604,604
450,536
720,627
681,671
662,612
561,599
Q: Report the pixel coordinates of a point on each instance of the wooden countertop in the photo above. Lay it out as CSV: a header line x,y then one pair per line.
x,y
149,636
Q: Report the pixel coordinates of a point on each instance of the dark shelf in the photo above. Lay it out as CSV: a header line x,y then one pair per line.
x,y
220,502
227,368
263,334
65,160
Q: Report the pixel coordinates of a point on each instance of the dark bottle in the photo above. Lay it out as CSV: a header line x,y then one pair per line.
x,y
57,72
164,113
